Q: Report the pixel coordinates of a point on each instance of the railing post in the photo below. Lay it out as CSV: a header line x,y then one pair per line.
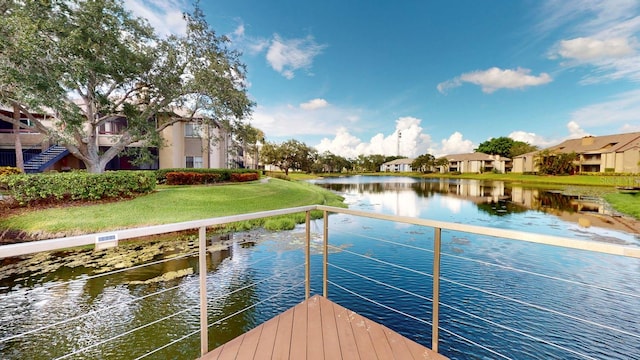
x,y
325,254
202,268
436,288
307,257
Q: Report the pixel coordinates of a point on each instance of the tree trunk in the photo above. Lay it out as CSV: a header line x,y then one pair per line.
x,y
18,141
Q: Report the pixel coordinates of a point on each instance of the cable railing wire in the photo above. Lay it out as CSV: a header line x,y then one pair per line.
x,y
417,319
522,302
168,344
491,322
542,308
382,261
79,351
505,267
493,264
164,319
217,322
83,279
45,327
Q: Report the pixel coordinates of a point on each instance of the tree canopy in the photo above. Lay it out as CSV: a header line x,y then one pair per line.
x,y
90,62
550,163
505,147
424,163
291,154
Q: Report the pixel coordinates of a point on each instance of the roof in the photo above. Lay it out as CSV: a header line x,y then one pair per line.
x,y
477,156
599,144
531,153
399,162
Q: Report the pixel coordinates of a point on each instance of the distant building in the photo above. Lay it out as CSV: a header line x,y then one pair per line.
x,y
397,165
476,162
619,153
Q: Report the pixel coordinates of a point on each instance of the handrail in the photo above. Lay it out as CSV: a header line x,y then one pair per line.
x,y
89,239
600,247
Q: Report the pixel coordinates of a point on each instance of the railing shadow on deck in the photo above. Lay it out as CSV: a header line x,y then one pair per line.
x,y
435,278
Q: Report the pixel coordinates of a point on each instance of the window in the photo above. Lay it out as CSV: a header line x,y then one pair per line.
x,y
192,130
194,162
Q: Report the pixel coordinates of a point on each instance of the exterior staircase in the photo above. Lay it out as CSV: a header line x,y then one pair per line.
x,y
45,159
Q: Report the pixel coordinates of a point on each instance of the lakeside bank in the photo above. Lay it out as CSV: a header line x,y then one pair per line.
x,y
169,204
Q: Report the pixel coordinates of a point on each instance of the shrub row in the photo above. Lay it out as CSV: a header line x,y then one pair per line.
x,y
245,176
9,170
77,185
191,178
225,174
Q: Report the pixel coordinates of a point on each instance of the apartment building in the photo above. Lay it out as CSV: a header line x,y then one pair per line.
x,y
618,153
190,143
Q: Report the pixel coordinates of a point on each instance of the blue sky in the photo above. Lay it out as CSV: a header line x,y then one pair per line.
x,y
349,76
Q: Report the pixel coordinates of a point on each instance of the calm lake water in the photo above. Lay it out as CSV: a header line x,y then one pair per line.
x,y
553,314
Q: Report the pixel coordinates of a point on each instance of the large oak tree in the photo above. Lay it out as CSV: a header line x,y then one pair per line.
x,y
89,62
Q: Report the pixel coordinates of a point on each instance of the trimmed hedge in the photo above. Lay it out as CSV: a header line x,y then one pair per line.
x,y
77,185
246,176
225,174
191,178
9,170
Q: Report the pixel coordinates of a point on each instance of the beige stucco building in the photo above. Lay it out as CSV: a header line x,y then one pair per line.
x,y
397,165
191,143
618,153
476,162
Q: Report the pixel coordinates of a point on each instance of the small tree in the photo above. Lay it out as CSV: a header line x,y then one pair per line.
x,y
505,147
496,146
424,163
550,163
442,162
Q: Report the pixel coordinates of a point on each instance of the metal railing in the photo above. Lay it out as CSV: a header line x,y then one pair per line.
x,y
202,225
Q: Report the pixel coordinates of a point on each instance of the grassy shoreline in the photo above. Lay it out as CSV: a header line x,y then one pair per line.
x,y
170,204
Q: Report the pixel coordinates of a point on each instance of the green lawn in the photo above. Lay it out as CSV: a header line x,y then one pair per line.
x,y
625,203
171,204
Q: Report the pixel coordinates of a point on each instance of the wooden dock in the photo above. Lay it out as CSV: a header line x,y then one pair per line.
x,y
318,329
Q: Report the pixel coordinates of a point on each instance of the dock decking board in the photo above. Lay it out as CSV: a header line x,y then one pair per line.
x,y
318,329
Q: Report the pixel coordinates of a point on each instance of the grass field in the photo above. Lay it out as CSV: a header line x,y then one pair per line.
x,y
171,204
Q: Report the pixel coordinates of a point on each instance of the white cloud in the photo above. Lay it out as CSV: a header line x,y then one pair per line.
x,y
407,139
289,120
495,78
624,108
532,139
314,104
455,144
574,129
165,16
584,48
252,45
286,56
607,37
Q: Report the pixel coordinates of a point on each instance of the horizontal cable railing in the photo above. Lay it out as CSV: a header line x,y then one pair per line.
x,y
466,313
370,257
434,276
494,294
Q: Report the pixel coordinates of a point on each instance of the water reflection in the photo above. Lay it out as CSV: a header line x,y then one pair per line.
x,y
581,206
